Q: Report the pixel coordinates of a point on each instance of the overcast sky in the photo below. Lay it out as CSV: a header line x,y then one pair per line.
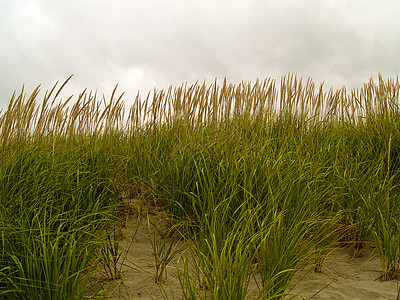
x,y
142,44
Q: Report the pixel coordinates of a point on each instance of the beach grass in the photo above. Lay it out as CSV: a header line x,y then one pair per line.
x,y
263,179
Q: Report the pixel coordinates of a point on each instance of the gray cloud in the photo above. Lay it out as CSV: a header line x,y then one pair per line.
x,y
144,44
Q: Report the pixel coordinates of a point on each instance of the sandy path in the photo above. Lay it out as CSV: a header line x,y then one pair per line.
x,y
345,277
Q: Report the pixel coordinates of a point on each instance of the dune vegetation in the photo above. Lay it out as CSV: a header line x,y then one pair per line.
x,y
260,180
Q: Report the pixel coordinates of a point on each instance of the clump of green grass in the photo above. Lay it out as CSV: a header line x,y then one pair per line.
x,y
111,257
164,250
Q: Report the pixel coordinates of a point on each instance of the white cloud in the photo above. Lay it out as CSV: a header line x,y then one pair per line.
x,y
143,44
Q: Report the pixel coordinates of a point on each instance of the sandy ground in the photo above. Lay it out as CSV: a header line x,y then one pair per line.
x,y
342,277
346,277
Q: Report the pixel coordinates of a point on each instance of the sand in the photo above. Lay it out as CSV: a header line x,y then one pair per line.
x,y
342,277
347,277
